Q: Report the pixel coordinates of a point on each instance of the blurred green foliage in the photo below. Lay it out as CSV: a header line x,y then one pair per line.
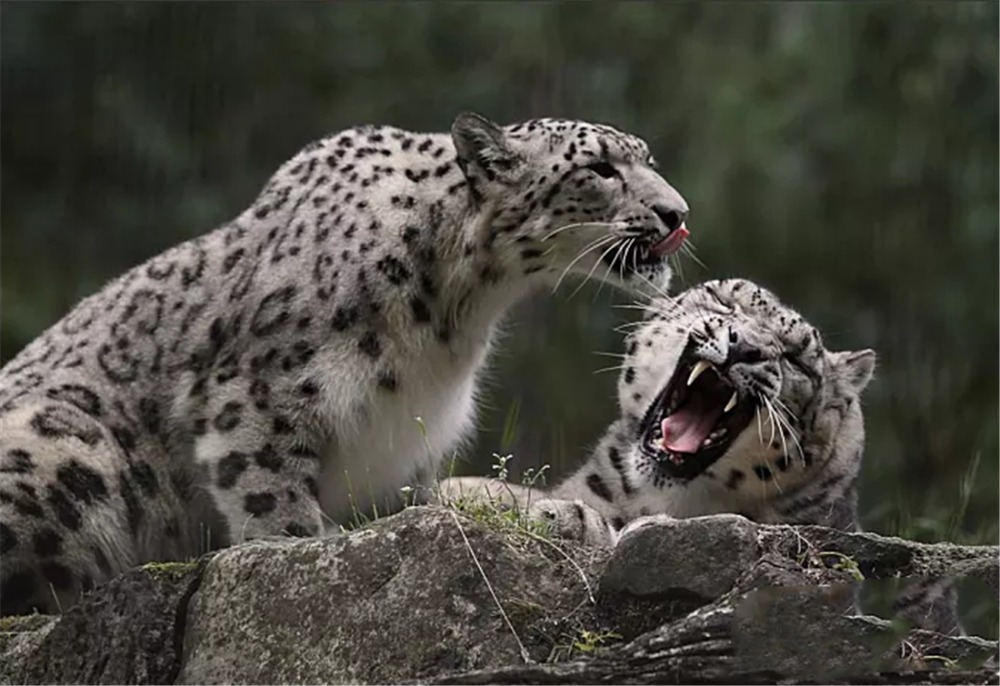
x,y
842,154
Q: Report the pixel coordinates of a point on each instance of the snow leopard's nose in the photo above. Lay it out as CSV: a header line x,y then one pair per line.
x,y
672,217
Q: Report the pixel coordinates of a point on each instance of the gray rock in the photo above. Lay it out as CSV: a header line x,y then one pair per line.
x,y
773,635
407,600
663,568
127,632
401,599
880,557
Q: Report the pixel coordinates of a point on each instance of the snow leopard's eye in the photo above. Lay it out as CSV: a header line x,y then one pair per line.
x,y
603,169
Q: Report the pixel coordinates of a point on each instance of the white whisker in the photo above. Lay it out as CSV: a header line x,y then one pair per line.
x,y
617,367
660,292
611,264
607,226
688,249
783,414
597,263
596,245
781,433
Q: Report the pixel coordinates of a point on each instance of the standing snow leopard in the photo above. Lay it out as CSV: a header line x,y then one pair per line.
x,y
266,378
730,403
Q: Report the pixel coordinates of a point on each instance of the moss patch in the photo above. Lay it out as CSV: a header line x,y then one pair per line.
x,y
173,570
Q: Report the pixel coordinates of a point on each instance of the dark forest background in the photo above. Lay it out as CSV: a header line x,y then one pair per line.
x,y
843,154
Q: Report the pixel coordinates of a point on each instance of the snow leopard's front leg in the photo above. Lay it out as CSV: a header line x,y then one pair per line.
x,y
571,519
264,467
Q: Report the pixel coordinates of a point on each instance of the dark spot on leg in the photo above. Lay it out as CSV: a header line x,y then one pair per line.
x,y
8,539
16,461
64,509
125,438
47,543
281,426
80,396
183,484
260,391
230,416
258,504
229,469
58,575
26,504
268,458
312,487
273,313
149,415
308,388
343,318
370,345
64,422
82,482
144,475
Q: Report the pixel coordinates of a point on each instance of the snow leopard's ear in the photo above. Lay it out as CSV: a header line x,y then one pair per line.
x,y
856,368
483,149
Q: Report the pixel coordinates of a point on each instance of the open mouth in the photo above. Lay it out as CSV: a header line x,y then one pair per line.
x,y
694,419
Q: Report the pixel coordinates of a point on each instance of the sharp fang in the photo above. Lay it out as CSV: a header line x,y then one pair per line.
x,y
732,403
698,369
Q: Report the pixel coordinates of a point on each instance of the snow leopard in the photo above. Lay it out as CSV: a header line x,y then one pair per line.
x,y
307,359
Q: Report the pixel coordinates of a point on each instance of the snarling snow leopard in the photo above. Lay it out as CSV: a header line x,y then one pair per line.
x,y
311,356
730,403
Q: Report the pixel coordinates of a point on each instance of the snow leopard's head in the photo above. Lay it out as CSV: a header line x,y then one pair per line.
x,y
724,380
570,197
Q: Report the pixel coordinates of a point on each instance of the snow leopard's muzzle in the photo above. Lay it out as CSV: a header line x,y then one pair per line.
x,y
653,227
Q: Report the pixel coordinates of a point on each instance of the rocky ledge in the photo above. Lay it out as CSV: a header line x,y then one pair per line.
x,y
433,596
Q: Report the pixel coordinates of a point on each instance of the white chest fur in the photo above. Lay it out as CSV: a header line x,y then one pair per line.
x,y
386,440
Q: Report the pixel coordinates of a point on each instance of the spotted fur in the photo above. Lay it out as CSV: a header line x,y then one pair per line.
x,y
796,462
800,469
266,378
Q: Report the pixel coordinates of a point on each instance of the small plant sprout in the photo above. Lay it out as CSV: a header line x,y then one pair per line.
x,y
531,477
589,641
408,496
501,465
844,563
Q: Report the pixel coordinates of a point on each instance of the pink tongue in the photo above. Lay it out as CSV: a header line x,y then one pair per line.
x,y
671,243
686,429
